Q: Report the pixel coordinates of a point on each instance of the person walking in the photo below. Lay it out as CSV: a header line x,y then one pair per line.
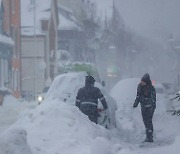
x,y
146,96
87,99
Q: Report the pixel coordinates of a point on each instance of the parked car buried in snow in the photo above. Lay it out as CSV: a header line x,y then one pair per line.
x,y
65,88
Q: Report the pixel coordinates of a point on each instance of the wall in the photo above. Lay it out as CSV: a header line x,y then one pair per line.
x,y
11,26
28,62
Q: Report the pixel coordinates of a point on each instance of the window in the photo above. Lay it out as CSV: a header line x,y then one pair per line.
x,y
63,45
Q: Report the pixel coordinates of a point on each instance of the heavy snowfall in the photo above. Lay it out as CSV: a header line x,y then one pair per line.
x,y
59,127
118,41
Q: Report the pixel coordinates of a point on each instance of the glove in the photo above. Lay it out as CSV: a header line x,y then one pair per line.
x,y
134,105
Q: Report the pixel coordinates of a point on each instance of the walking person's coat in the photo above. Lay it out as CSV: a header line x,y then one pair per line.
x,y
146,96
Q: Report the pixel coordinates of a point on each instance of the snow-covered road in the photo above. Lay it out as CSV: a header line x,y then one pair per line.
x,y
57,127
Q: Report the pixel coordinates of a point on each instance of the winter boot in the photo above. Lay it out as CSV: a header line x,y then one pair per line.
x,y
148,140
149,135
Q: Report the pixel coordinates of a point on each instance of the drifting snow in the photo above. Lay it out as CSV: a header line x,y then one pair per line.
x,y
56,127
60,127
14,141
10,110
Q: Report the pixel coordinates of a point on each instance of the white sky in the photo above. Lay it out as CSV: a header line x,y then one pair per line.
x,y
152,18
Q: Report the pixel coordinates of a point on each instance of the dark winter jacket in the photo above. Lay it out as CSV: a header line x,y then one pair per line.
x,y
90,94
146,93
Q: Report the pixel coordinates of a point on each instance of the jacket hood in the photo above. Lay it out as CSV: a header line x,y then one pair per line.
x,y
89,81
146,79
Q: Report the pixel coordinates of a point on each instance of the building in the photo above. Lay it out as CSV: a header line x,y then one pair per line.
x,y
75,6
77,29
39,44
6,46
11,28
70,34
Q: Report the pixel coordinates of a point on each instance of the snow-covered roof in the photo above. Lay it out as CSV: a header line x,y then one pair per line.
x,y
42,11
66,19
7,40
5,89
66,24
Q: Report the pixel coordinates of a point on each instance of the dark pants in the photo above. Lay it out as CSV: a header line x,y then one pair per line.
x,y
147,115
90,111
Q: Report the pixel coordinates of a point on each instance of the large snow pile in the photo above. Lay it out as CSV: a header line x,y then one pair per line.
x,y
10,110
60,127
65,86
56,127
14,141
124,93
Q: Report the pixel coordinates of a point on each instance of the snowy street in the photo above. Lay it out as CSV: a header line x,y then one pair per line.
x,y
89,77
56,127
69,134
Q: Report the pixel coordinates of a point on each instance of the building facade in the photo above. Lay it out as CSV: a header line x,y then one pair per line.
x,y
11,27
6,46
38,45
77,29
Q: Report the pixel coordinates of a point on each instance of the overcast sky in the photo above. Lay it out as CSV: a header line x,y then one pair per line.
x,y
152,18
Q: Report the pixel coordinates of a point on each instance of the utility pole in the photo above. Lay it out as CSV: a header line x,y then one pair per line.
x,y
35,47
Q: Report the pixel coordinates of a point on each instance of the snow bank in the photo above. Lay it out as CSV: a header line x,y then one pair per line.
x,y
55,127
128,119
65,86
10,110
14,141
61,127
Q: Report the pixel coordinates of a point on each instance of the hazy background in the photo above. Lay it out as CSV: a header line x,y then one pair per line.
x,y
151,18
